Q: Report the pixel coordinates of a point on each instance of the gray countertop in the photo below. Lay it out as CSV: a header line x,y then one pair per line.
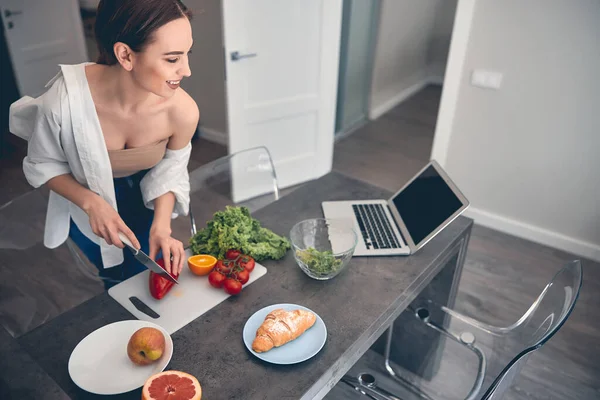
x,y
356,306
21,377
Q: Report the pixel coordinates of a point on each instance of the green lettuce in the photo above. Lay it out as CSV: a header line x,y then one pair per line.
x,y
234,228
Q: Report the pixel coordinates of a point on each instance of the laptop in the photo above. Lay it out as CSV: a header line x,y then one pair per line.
x,y
405,222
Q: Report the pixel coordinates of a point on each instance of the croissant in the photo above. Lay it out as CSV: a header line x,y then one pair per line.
x,y
281,326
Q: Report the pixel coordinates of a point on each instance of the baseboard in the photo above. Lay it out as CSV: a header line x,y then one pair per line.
x,y
436,80
353,128
214,136
381,109
436,73
539,235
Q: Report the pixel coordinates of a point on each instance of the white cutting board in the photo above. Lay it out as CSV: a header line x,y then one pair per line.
x,y
185,302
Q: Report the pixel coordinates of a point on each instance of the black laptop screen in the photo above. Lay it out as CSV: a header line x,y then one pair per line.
x,y
425,204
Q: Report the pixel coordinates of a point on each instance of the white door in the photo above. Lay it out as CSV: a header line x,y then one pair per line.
x,y
41,34
282,85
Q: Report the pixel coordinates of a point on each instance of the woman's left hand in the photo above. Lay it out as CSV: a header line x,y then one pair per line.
x,y
160,239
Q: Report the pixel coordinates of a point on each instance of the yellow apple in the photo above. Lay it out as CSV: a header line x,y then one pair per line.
x,y
146,346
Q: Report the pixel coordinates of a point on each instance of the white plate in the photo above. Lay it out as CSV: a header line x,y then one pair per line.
x,y
99,363
298,350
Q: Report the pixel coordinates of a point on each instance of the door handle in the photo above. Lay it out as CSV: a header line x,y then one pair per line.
x,y
9,13
235,55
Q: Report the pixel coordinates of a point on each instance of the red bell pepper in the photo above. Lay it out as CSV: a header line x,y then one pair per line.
x,y
160,286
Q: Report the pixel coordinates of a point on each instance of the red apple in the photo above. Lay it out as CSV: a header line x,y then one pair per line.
x,y
146,346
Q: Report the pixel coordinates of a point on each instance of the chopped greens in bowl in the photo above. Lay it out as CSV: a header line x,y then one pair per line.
x,y
315,253
320,263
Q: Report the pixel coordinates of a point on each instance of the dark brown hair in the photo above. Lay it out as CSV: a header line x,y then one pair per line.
x,y
132,22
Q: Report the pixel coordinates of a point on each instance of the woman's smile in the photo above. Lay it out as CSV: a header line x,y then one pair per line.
x,y
174,84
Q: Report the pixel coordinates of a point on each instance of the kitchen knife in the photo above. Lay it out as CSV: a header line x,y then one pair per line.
x,y
145,260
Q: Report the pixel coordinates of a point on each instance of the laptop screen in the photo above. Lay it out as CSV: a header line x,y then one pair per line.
x,y
426,203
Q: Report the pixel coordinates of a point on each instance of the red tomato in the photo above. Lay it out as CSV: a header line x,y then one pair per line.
x,y
224,266
216,279
232,286
243,276
232,254
246,262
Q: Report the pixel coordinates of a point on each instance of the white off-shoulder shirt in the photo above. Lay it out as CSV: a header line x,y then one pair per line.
x,y
64,136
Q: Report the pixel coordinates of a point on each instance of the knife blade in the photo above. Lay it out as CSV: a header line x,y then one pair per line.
x,y
145,260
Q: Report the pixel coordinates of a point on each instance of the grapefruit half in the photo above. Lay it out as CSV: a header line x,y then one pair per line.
x,y
172,385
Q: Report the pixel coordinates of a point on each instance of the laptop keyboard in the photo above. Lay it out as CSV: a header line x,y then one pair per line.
x,y
375,227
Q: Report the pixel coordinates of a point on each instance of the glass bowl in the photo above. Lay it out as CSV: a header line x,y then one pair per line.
x,y
323,247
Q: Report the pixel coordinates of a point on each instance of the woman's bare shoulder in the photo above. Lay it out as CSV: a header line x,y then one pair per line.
x,y
184,116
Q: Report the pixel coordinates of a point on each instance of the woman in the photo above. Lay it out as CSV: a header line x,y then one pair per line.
x,y
112,139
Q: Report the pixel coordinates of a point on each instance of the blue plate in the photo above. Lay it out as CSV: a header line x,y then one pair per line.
x,y
298,350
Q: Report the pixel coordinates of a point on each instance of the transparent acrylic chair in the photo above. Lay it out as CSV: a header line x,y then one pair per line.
x,y
33,275
23,221
245,178
502,351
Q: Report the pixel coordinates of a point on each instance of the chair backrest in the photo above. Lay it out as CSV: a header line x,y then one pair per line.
x,y
543,319
35,277
552,307
245,178
22,220
22,224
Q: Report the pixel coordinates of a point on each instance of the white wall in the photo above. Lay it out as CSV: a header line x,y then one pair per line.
x,y
526,155
207,62
411,36
439,42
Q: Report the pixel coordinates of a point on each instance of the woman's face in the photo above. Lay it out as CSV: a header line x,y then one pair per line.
x,y
163,63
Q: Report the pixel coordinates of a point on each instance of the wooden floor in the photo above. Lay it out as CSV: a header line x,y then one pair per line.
x,y
501,278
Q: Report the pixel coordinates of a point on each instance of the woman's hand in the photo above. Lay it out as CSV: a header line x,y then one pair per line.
x,y
107,223
160,239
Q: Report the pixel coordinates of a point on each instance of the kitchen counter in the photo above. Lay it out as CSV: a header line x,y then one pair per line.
x,y
356,306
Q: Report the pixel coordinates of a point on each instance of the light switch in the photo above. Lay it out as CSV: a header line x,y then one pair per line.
x,y
486,79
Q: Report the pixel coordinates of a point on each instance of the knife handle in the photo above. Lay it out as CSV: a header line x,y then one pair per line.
x,y
127,242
